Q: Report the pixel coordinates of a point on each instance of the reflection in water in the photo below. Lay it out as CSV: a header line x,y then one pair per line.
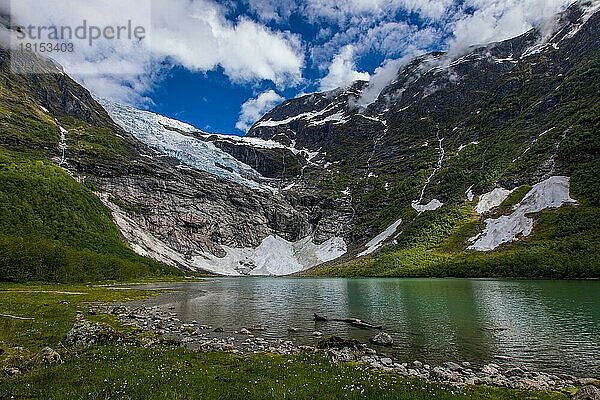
x,y
545,325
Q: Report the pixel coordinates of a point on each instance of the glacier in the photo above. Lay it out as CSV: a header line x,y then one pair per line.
x,y
175,139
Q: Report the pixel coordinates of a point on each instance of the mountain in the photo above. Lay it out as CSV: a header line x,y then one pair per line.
x,y
485,164
449,132
173,196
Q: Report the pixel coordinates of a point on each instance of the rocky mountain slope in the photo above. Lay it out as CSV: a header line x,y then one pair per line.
x,y
482,165
447,133
175,197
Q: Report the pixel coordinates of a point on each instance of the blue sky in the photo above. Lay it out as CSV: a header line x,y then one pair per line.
x,y
221,64
211,101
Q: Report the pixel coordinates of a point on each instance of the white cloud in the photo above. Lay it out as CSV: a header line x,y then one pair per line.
x,y
342,71
383,76
495,21
272,10
253,109
342,12
193,34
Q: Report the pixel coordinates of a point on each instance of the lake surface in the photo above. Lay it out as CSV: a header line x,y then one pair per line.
x,y
550,326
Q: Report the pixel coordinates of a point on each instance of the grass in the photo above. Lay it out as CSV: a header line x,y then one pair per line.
x,y
53,229
127,372
156,373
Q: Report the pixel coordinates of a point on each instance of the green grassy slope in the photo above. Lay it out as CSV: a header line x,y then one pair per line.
x,y
53,228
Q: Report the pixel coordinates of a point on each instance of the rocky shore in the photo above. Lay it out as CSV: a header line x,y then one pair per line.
x,y
166,328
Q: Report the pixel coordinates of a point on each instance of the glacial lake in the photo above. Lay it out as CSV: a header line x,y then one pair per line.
x,y
550,326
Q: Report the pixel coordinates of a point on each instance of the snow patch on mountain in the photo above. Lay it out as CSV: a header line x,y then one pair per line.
x,y
551,193
469,193
491,200
164,135
274,256
431,206
378,240
311,117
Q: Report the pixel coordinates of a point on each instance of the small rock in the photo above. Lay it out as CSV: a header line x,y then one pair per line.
x,y
588,392
244,331
49,356
489,369
335,342
515,372
387,361
317,333
343,355
258,327
119,310
418,364
383,339
466,364
218,330
293,330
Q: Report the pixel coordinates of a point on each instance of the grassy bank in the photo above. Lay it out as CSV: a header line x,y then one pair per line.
x,y
118,371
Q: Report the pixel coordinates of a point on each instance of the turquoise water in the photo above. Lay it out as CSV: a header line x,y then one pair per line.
x,y
551,326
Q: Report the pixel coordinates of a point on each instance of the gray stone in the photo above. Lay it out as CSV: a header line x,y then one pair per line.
x,y
387,361
489,369
48,356
452,366
383,339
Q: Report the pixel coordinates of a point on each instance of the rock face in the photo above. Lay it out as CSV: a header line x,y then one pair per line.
x,y
440,129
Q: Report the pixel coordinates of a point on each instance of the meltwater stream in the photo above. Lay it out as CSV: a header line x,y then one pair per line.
x,y
550,326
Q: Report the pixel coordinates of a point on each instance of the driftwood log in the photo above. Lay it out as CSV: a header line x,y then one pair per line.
x,y
352,321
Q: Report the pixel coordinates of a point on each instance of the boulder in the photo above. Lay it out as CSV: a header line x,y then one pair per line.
x,y
48,356
490,369
383,339
387,361
452,366
85,333
335,342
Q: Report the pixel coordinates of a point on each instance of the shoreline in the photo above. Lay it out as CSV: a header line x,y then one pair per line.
x,y
161,327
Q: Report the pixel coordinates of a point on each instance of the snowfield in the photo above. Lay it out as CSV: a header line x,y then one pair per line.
x,y
275,256
378,240
551,193
489,201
